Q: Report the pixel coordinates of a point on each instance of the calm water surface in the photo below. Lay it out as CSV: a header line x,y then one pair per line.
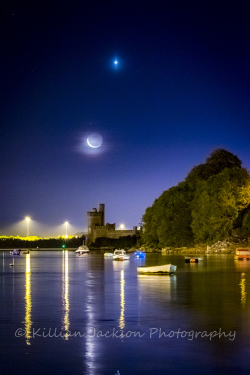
x,y
64,314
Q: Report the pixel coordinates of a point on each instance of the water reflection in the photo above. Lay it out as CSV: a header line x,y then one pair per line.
x,y
155,290
65,293
242,265
120,265
243,289
159,283
122,315
91,346
28,304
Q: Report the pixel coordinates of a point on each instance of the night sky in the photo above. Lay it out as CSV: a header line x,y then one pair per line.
x,y
179,90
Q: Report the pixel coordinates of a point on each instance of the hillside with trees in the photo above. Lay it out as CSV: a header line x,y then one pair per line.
x,y
209,205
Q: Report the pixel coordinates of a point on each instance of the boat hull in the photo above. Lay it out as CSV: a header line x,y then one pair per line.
x,y
164,269
140,254
120,255
242,254
15,252
82,250
191,260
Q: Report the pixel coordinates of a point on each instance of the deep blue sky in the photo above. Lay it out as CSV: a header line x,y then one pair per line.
x,y
181,89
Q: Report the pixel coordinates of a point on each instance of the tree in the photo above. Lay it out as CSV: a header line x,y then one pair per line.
x,y
217,204
215,164
167,222
204,208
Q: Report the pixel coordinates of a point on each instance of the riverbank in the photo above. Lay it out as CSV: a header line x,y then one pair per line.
x,y
43,249
220,247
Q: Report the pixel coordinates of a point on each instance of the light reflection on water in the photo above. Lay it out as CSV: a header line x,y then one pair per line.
x,y
122,316
28,304
65,293
92,294
243,289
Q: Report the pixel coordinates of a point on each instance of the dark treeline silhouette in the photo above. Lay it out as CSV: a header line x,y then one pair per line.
x,y
9,243
212,203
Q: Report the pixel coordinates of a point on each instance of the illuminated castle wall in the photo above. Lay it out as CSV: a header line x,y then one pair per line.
x,y
98,228
96,218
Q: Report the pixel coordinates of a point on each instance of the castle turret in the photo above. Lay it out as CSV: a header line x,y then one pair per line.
x,y
95,219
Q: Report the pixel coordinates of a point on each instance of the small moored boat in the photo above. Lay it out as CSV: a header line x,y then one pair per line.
x,y
82,250
242,254
191,260
108,255
15,252
140,254
164,269
120,255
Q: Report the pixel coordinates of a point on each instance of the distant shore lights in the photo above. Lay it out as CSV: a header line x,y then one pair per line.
x,y
66,229
27,221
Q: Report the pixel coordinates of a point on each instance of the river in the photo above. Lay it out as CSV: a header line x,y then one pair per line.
x,y
65,314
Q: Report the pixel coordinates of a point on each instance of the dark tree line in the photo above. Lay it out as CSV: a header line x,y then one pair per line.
x,y
207,206
9,243
119,243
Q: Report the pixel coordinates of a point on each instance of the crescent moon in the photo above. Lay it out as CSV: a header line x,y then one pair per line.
x,y
94,140
91,144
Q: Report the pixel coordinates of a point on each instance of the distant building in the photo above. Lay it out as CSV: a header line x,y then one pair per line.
x,y
98,228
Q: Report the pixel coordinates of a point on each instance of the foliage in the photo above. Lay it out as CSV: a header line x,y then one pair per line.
x,y
217,204
167,222
246,222
215,164
121,242
206,207
8,242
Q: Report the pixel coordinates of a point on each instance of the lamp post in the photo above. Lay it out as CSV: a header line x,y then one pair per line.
x,y
27,221
66,227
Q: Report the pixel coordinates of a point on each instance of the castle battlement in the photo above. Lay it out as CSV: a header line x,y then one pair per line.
x,y
98,228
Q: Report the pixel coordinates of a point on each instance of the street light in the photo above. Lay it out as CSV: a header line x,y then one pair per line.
x,y
27,221
66,226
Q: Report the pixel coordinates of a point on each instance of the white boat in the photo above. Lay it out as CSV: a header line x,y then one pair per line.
x,y
120,255
82,250
108,255
15,252
166,268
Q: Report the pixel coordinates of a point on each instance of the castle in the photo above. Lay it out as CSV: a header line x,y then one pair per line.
x,y
98,228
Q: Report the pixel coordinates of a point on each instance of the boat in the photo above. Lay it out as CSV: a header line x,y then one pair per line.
x,y
140,254
191,260
242,254
83,249
120,255
15,252
164,269
108,255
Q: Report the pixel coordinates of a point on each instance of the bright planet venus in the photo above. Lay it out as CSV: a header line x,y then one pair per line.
x,y
94,140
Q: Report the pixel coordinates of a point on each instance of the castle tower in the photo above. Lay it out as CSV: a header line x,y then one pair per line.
x,y
96,218
102,212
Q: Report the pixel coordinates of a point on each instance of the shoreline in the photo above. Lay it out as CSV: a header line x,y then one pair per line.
x,y
42,249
